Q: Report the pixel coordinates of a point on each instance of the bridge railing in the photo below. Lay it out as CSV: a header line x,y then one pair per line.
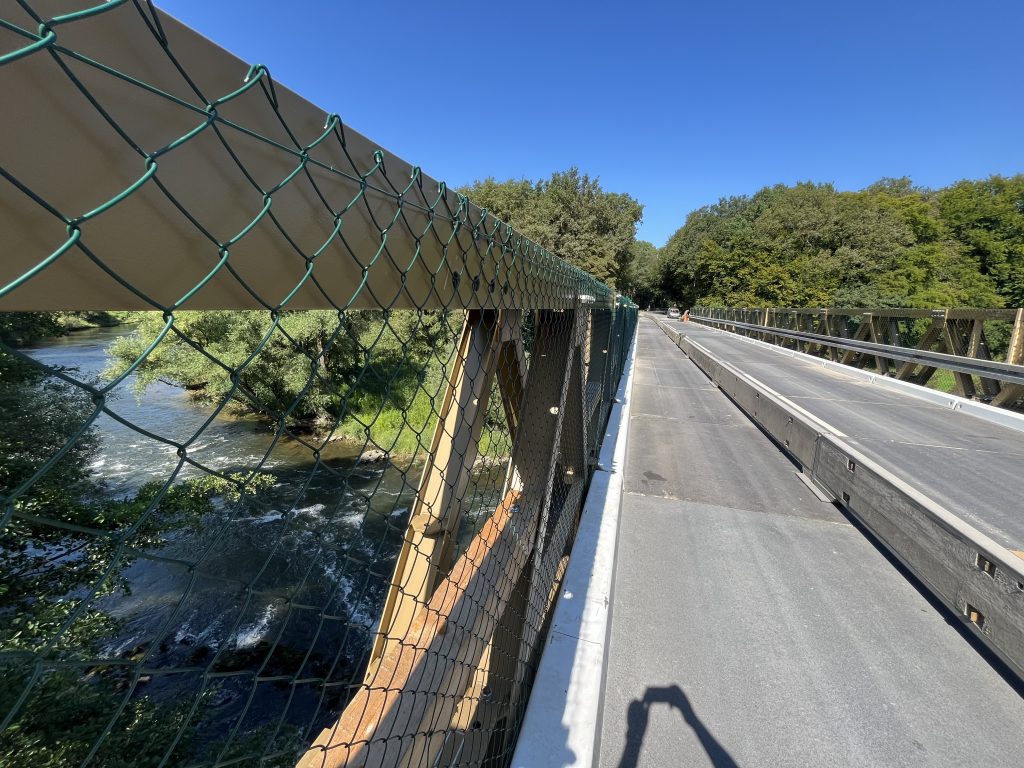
x,y
981,349
312,499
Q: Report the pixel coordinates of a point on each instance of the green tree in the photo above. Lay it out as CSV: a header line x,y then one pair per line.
x,y
367,375
59,543
299,366
987,218
570,215
811,245
641,279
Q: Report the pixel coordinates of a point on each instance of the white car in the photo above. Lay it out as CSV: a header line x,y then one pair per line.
x,y
673,313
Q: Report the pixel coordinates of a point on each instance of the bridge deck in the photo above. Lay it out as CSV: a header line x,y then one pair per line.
x,y
753,625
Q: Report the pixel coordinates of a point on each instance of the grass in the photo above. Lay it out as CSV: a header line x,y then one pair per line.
x,y
405,425
943,381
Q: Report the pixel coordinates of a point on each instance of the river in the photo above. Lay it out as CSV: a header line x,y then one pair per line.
x,y
262,596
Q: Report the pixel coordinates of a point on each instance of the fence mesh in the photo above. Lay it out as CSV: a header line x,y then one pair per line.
x,y
304,488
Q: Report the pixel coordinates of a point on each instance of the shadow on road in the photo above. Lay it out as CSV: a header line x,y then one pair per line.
x,y
638,716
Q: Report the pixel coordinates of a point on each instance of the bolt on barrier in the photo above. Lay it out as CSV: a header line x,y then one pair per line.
x,y
309,498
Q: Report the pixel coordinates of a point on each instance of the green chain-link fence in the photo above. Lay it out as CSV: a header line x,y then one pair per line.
x,y
305,487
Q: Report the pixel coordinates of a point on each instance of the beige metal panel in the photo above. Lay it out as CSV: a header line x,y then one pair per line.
x,y
427,252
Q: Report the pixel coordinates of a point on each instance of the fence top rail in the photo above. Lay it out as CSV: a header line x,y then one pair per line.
x,y
147,168
963,313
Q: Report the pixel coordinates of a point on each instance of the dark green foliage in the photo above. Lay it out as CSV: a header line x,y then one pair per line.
x,y
641,279
891,244
987,218
20,328
69,709
61,545
17,328
570,215
262,366
374,372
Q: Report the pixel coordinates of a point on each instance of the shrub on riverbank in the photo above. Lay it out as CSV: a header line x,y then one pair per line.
x,y
371,377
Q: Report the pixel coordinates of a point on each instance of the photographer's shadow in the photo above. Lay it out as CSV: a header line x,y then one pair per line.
x,y
638,715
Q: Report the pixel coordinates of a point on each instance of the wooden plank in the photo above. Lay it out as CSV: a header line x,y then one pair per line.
x,y
874,327
951,335
978,349
1010,393
512,369
560,515
433,523
934,333
557,334
850,357
381,721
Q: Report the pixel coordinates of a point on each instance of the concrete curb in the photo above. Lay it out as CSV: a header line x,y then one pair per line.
x,y
978,579
561,725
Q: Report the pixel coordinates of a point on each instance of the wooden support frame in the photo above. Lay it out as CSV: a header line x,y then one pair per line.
x,y
850,357
957,332
415,678
908,371
955,343
467,634
559,516
438,508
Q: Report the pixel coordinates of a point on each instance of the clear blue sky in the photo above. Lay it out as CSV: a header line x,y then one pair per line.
x,y
675,103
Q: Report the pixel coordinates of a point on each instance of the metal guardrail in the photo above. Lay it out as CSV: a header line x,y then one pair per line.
x,y
924,341
353,426
988,369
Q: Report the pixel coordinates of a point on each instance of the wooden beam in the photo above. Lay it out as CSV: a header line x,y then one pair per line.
x,y
933,334
398,716
874,326
433,524
1010,393
441,650
955,343
978,349
558,336
851,357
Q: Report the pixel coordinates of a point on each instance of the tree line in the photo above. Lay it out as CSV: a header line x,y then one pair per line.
x,y
891,244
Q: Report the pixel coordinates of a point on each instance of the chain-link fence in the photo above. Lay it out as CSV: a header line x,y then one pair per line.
x,y
301,482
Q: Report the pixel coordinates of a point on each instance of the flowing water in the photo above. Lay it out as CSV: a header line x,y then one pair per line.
x,y
237,612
